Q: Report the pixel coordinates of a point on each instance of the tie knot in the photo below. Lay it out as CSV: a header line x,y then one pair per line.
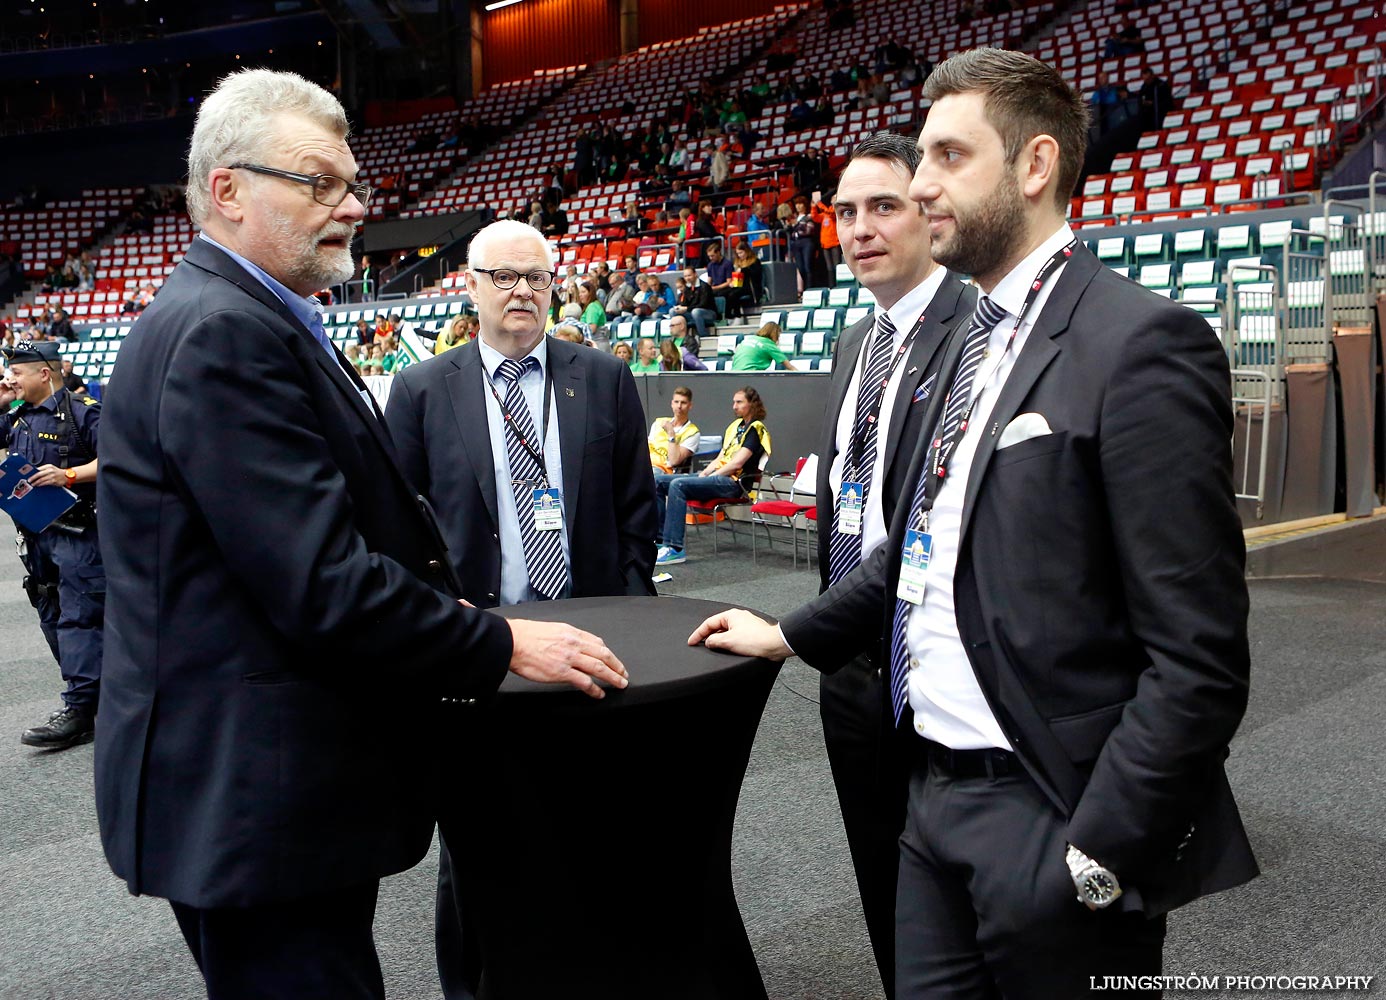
x,y
512,370
884,327
989,313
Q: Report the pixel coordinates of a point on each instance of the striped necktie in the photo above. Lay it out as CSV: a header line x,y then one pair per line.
x,y
844,551
548,575
984,320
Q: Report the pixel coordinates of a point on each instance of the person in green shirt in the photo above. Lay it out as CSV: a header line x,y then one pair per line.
x,y
755,354
647,357
593,314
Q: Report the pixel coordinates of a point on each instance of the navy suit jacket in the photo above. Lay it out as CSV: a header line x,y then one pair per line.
x,y
1100,590
437,417
275,598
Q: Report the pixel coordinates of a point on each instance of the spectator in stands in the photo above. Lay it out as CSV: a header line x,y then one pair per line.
x,y
568,289
592,312
584,154
631,275
572,330
1126,41
86,272
747,281
965,14
687,343
536,215
452,335
758,228
734,473
758,353
800,115
646,357
72,382
679,196
803,241
674,439
400,326
696,301
625,352
376,359
61,327
719,271
425,141
704,228
602,277
685,231
828,241
352,353
383,328
670,356
719,167
554,219
650,301
365,336
1156,97
1104,102
679,157
620,301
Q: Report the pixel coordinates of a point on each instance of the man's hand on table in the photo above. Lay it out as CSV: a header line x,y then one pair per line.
x,y
555,653
738,631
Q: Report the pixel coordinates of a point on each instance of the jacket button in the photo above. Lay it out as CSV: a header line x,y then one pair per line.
x,y
434,566
490,597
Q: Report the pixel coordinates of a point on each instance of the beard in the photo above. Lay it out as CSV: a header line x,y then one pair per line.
x,y
984,236
307,264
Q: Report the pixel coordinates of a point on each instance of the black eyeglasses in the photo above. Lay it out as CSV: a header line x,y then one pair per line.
x,y
328,189
508,277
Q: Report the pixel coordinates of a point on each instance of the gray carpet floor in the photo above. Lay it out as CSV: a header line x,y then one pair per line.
x,y
1307,767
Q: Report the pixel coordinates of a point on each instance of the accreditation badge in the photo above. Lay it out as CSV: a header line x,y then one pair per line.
x,y
914,565
548,509
851,500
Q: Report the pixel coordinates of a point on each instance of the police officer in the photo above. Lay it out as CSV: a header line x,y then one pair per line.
x,y
66,583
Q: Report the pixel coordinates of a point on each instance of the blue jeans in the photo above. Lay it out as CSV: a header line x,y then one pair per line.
x,y
672,493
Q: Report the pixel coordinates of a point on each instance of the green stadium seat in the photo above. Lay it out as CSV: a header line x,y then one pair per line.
x,y
826,319
1149,246
841,296
844,275
797,320
1156,275
812,297
814,342
1198,272
855,315
1112,250
1232,240
1191,242
866,297
772,316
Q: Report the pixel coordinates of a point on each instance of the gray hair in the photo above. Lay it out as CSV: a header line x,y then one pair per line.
x,y
479,251
237,122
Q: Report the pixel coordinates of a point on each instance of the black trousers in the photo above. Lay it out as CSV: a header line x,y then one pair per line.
x,y
316,948
871,775
986,905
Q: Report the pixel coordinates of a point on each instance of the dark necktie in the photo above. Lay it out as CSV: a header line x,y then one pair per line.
x,y
844,550
984,320
543,549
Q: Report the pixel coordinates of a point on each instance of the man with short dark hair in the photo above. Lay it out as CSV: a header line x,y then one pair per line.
x,y
884,371
673,439
698,302
1068,649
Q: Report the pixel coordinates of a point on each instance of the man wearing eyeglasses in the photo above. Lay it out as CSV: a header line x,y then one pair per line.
x,y
532,451
280,608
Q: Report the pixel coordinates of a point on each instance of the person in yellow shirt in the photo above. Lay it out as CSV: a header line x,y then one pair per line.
x,y
673,439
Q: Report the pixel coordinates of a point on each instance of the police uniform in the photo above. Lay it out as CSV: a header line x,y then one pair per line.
x,y
66,582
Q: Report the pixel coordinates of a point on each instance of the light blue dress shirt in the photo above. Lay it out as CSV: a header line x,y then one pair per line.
x,y
514,587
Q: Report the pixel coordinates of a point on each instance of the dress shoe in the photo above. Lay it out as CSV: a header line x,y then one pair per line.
x,y
67,727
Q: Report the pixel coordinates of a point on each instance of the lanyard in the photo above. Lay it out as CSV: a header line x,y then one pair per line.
x,y
858,442
509,418
942,448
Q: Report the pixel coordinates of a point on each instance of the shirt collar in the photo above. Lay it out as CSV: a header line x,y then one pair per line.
x,y
306,311
491,358
1011,290
905,313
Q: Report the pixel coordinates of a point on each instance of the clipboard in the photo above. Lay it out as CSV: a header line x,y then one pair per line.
x,y
34,508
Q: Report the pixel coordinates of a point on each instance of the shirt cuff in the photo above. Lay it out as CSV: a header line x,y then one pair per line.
x,y
780,630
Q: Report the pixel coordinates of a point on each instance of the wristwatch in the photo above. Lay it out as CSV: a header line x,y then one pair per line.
x,y
71,475
1097,887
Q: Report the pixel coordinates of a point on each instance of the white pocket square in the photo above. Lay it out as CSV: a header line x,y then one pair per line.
x,y
1023,428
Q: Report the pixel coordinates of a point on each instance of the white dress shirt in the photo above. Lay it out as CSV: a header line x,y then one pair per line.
x,y
515,588
904,314
948,704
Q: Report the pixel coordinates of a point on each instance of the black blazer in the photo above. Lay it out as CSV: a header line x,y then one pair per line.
x,y
437,417
274,599
1100,590
950,308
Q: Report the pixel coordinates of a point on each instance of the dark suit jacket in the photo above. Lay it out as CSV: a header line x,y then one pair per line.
x,y
273,605
1100,591
951,307
437,417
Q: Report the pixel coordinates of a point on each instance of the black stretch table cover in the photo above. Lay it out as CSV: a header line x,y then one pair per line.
x,y
598,843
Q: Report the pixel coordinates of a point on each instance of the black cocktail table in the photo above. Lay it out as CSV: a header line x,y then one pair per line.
x,y
597,859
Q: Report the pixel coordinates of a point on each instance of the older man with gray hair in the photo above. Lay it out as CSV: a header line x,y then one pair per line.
x,y
278,592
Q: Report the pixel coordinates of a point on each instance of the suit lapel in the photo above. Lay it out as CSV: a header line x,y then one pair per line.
x,y
467,393
932,336
204,255
571,403
1038,354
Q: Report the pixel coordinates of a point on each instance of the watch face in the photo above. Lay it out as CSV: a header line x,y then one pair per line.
x,y
1099,888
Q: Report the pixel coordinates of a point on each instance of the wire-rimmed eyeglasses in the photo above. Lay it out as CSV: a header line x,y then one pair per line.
x,y
508,277
328,189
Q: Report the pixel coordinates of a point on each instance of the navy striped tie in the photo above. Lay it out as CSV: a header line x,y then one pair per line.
x,y
844,551
984,320
548,574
